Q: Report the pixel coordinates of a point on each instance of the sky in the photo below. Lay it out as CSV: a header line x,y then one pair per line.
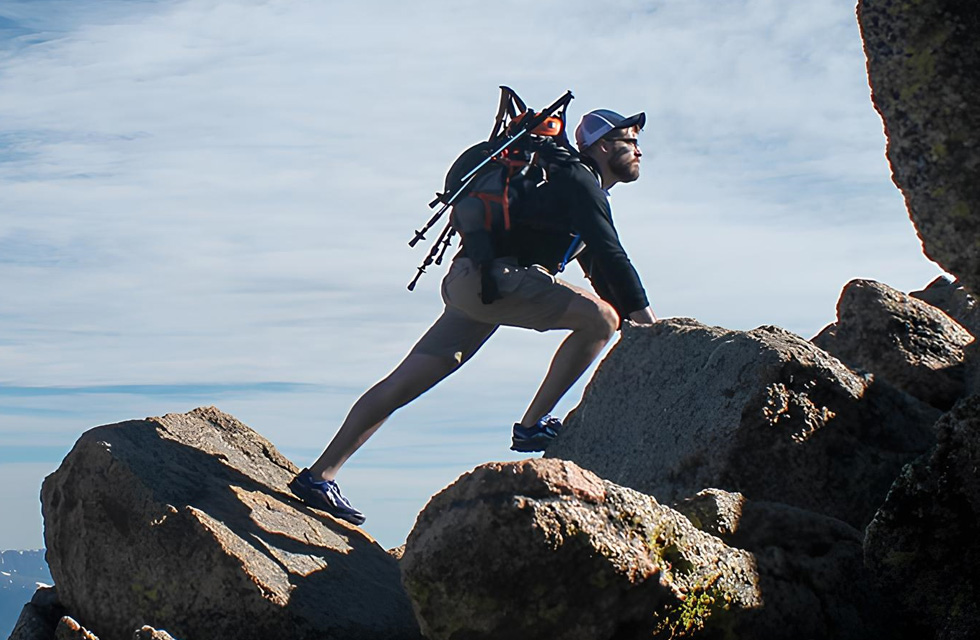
x,y
208,202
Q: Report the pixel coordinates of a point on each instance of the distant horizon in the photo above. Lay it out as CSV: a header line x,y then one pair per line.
x,y
19,580
209,203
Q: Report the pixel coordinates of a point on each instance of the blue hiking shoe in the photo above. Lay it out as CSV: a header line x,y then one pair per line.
x,y
326,496
537,437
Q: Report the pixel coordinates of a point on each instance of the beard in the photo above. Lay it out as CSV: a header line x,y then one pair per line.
x,y
624,166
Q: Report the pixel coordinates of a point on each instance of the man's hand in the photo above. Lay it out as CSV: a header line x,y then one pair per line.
x,y
642,317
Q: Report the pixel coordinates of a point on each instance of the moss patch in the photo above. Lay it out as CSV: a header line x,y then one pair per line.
x,y
691,615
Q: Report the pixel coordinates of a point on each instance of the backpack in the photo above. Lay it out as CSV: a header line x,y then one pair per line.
x,y
493,186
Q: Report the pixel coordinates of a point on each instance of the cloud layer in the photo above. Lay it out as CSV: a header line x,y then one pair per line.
x,y
214,196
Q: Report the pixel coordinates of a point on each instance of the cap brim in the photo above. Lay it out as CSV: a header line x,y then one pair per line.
x,y
638,120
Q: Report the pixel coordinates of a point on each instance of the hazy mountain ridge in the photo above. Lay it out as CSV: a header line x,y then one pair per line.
x,y
20,571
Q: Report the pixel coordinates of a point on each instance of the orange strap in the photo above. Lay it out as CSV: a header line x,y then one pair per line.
x,y
488,212
513,166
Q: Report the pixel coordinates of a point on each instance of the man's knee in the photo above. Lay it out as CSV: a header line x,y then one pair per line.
x,y
592,315
607,320
603,321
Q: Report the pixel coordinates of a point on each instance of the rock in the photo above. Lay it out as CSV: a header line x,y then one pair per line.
x,y
973,369
149,633
680,406
397,552
910,344
68,629
954,300
39,617
185,523
922,543
811,571
544,549
46,599
714,511
959,304
924,68
32,625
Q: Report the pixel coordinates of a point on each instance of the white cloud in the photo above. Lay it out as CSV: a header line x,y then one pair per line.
x,y
222,191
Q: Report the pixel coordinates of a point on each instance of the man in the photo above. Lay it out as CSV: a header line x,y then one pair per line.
x,y
517,290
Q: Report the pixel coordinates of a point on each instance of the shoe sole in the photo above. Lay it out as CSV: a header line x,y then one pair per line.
x,y
530,446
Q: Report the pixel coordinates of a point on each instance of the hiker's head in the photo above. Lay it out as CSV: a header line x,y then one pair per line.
x,y
611,140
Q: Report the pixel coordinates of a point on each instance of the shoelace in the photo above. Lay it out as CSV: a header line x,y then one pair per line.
x,y
551,423
331,487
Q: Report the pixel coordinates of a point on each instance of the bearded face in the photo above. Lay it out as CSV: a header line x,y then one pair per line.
x,y
623,154
624,161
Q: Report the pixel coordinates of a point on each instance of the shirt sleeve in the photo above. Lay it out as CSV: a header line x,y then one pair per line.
x,y
604,260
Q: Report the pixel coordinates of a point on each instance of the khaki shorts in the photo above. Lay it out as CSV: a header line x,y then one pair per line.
x,y
531,298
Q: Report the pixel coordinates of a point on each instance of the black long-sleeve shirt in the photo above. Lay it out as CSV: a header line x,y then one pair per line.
x,y
573,203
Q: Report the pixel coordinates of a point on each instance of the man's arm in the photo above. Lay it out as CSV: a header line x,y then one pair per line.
x,y
607,264
643,316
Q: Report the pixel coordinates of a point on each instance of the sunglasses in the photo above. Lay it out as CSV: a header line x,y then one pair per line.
x,y
630,141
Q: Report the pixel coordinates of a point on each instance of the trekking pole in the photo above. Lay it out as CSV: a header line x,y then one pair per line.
x,y
420,234
443,238
446,244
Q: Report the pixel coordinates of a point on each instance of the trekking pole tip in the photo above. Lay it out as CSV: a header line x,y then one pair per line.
x,y
411,285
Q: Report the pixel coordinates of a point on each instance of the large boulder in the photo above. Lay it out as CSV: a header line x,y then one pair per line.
x,y
954,300
905,341
922,544
810,566
542,549
39,617
679,406
186,523
924,69
960,305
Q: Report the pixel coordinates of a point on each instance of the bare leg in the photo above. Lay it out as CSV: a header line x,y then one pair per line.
x,y
593,323
414,376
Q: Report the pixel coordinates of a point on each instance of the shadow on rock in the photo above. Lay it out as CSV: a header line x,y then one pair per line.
x,y
185,523
681,406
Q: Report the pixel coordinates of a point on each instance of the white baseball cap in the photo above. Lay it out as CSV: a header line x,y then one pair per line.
x,y
598,123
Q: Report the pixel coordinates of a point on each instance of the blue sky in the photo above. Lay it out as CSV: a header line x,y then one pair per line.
x,y
209,202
